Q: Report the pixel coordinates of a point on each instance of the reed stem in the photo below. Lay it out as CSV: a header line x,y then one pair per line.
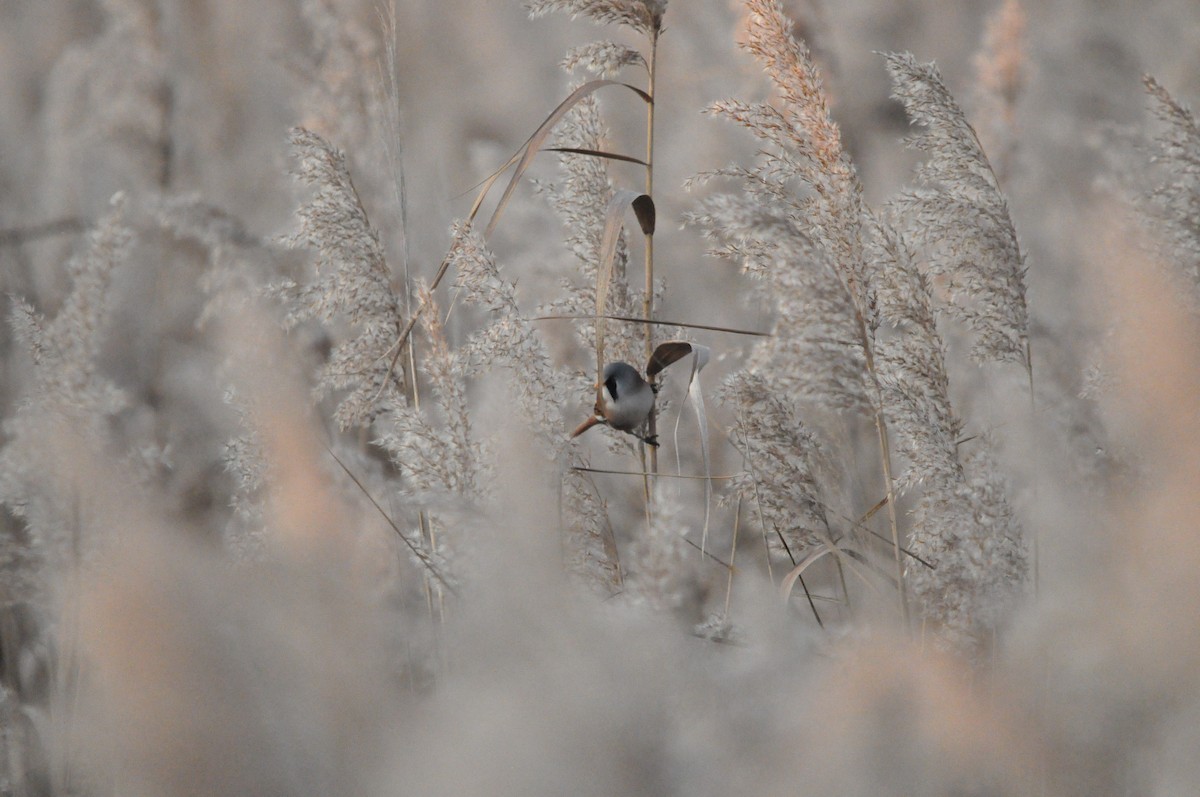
x,y
648,301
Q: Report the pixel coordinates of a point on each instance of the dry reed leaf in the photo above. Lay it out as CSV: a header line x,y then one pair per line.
x,y
613,223
657,322
594,153
700,357
525,155
789,581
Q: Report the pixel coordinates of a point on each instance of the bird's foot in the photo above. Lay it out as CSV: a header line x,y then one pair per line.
x,y
650,440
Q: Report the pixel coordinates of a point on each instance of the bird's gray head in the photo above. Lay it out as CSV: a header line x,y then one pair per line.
x,y
619,378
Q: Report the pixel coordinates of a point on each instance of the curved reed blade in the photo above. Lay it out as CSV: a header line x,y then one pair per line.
x,y
673,351
657,322
789,581
594,153
487,183
613,223
534,143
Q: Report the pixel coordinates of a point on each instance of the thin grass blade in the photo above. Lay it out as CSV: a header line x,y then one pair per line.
x,y
525,156
594,153
789,581
614,222
657,322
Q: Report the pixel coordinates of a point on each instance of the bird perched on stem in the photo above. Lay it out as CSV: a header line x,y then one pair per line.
x,y
624,399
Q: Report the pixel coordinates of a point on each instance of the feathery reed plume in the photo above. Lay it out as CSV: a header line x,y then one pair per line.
x,y
813,353
806,148
68,393
809,146
509,339
958,217
644,16
108,112
782,470
1000,74
963,524
353,284
603,58
763,228
339,103
437,460
1169,194
912,363
239,263
511,342
580,199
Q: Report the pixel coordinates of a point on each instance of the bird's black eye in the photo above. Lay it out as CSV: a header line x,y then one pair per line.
x,y
610,384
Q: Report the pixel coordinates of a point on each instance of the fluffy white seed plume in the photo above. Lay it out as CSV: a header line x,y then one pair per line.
x,y
644,16
963,524
581,198
782,464
958,217
808,247
1171,204
437,458
814,353
352,285
807,146
912,368
510,339
511,343
70,400
603,58
966,529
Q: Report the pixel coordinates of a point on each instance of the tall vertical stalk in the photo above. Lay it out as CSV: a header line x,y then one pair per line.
x,y
1037,547
885,455
648,301
434,595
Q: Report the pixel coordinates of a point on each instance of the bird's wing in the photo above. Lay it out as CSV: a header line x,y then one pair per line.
x,y
667,353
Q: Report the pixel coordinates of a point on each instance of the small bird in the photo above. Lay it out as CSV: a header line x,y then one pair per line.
x,y
624,401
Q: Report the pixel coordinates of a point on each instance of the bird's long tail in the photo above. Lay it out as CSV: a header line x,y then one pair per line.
x,y
588,424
